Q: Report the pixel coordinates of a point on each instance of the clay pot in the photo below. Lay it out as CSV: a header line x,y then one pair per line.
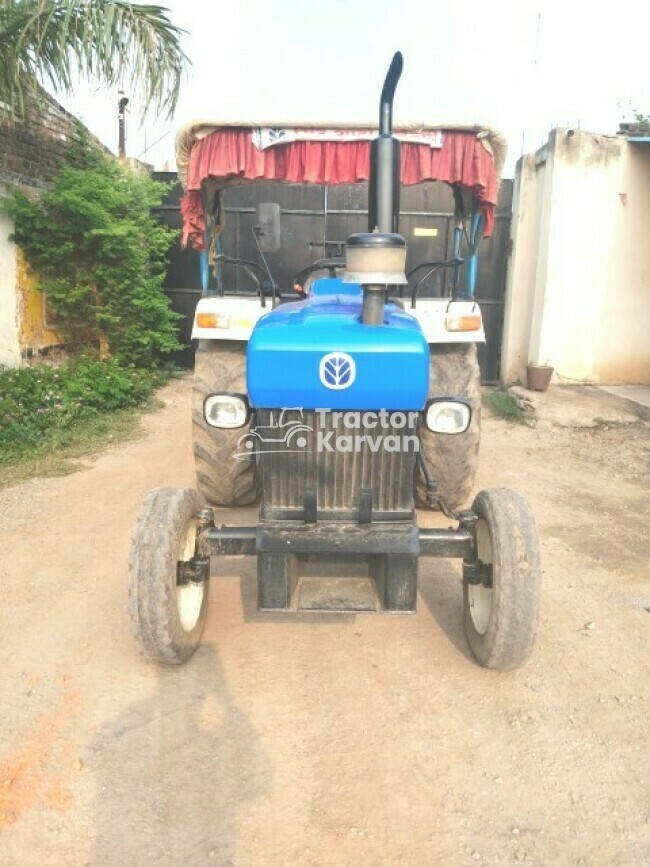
x,y
538,376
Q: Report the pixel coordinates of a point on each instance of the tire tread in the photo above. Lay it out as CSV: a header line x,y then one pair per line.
x,y
453,459
222,480
160,526
510,636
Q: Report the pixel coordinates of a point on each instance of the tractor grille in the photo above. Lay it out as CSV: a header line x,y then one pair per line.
x,y
301,477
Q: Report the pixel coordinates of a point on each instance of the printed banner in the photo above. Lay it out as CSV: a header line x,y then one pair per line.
x,y
266,137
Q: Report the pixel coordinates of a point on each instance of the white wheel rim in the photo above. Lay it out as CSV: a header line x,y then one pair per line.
x,y
480,597
189,597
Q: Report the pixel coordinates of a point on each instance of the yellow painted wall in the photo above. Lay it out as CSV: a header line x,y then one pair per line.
x,y
34,334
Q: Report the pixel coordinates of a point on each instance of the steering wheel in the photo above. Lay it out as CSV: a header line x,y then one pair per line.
x,y
331,265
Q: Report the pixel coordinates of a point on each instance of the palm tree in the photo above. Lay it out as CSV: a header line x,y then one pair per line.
x,y
53,41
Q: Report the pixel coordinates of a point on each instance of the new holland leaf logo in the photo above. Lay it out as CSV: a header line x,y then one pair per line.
x,y
337,370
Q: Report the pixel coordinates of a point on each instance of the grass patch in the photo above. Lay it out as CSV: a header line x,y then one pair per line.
x,y
504,406
52,416
60,452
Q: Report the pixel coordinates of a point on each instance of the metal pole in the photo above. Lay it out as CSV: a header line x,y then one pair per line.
x,y
121,119
383,189
374,300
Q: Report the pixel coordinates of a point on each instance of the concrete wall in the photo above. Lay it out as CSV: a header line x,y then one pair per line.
x,y
578,295
23,329
31,150
9,322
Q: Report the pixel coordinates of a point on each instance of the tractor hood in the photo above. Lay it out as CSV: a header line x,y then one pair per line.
x,y
316,354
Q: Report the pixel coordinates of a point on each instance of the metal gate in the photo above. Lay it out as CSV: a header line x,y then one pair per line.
x,y
316,220
183,279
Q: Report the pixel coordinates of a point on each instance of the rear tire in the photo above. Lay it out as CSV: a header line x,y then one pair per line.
x,y
452,458
167,618
220,365
501,620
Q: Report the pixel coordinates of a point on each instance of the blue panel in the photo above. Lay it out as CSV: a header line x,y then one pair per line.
x,y
334,286
476,234
317,354
205,271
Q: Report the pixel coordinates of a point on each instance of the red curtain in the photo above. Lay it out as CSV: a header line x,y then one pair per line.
x,y
230,154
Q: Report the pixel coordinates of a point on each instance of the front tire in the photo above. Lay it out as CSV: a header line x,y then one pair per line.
x,y
223,480
167,618
452,458
501,619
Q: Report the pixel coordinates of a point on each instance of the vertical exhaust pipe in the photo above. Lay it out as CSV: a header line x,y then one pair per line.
x,y
383,192
377,259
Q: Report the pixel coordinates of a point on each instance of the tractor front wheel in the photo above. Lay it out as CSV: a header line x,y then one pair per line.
x,y
168,615
501,588
222,479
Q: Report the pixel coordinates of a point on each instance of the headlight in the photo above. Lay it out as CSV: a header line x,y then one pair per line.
x,y
226,410
448,416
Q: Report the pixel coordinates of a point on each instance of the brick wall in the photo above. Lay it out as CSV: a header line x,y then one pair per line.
x,y
32,148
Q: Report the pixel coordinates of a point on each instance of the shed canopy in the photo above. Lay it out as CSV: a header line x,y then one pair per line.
x,y
211,157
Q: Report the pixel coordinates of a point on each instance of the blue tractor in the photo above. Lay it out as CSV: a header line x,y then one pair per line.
x,y
328,416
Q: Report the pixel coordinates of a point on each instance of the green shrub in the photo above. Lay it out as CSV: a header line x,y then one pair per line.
x,y
101,254
39,403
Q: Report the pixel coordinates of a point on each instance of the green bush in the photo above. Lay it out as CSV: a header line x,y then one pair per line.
x,y
101,254
38,402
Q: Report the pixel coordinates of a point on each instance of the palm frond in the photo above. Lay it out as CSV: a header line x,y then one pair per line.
x,y
118,42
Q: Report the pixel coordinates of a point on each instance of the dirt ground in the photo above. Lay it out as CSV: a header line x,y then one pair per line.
x,y
335,739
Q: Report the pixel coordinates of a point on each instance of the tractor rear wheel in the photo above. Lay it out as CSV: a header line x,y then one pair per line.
x,y
167,616
452,458
501,589
220,365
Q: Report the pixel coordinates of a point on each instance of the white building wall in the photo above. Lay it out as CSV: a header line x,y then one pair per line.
x,y
578,295
9,327
520,284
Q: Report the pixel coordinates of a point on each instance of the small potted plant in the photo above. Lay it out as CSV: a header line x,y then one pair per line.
x,y
538,376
